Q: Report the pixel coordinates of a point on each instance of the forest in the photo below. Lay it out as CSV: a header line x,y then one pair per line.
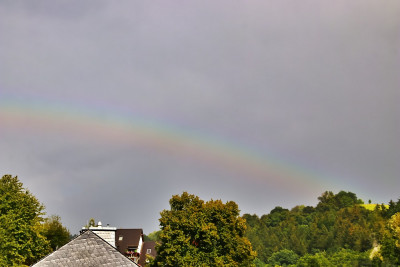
x,y
339,231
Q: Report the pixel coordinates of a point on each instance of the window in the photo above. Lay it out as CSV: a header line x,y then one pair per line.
x,y
120,238
148,251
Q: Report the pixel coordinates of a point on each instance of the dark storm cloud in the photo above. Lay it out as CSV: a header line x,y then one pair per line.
x,y
312,83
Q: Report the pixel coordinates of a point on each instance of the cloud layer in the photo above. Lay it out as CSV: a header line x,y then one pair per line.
x,y
311,84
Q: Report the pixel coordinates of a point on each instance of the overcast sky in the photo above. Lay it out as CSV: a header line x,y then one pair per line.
x,y
108,108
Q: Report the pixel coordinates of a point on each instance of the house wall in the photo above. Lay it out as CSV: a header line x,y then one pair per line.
x,y
107,233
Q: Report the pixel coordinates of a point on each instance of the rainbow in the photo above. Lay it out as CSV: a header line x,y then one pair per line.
x,y
113,125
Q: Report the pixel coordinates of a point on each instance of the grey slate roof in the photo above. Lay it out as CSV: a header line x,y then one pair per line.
x,y
88,249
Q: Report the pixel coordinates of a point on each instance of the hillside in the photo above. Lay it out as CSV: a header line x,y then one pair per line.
x,y
340,229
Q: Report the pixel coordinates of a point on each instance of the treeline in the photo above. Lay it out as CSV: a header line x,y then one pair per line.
x,y
339,231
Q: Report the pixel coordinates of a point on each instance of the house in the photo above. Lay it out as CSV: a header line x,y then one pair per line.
x,y
149,248
88,249
129,242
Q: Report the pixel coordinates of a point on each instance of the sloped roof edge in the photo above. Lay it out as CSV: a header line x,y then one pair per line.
x,y
87,249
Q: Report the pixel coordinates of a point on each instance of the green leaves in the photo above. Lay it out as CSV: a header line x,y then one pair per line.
x,y
21,237
390,247
198,233
283,258
337,227
55,232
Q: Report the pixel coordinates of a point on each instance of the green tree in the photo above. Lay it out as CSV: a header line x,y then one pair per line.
x,y
277,215
348,257
390,249
55,232
283,257
259,263
91,223
338,221
198,233
351,229
317,260
394,207
153,236
328,200
394,224
21,238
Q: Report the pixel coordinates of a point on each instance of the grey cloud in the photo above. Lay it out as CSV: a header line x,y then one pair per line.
x,y
313,84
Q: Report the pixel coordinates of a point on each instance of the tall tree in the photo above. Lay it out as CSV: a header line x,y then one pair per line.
x,y
198,233
55,232
390,249
20,224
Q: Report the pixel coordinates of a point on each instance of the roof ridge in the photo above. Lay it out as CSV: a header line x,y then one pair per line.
x,y
114,248
92,240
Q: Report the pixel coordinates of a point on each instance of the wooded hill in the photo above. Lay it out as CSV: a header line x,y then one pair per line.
x,y
339,231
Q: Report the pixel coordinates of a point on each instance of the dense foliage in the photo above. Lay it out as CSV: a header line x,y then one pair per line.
x,y
55,232
25,236
20,223
153,236
198,233
338,230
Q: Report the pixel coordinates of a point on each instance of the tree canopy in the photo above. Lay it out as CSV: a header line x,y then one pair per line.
x,y
198,233
339,230
153,236
22,241
55,232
